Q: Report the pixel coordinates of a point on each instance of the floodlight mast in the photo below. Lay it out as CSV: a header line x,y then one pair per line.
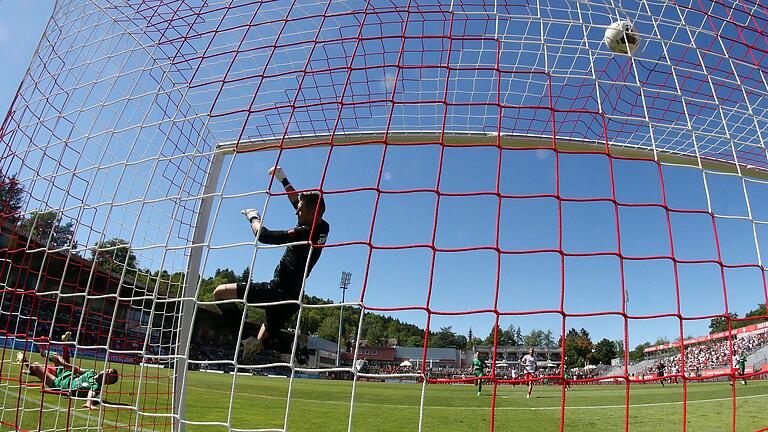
x,y
346,278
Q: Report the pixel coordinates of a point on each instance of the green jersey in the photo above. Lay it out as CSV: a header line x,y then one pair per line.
x,y
479,366
742,363
68,380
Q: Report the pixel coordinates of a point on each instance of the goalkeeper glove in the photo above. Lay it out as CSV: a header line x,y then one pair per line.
x,y
278,173
251,214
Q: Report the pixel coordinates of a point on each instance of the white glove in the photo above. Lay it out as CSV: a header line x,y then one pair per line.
x,y
278,172
250,214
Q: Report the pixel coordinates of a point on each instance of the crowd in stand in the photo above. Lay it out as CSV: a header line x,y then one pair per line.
x,y
710,355
388,370
210,350
205,349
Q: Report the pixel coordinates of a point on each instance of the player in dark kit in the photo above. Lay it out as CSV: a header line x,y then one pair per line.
x,y
739,364
311,231
660,372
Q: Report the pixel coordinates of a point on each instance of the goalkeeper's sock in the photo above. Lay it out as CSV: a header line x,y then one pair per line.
x,y
232,314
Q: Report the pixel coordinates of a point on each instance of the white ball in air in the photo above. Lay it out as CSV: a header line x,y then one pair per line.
x,y
621,37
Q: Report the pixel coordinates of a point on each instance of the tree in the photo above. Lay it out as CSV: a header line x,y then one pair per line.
x,y
604,352
534,338
227,275
375,335
759,314
459,342
720,324
619,346
413,341
578,346
11,198
446,338
46,228
760,311
245,276
504,337
755,316
311,320
472,340
549,340
639,352
329,329
491,337
540,338
168,285
516,333
114,254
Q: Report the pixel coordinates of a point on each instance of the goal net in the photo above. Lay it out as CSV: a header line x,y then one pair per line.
x,y
486,165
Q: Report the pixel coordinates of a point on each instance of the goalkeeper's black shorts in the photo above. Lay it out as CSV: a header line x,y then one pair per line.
x,y
269,292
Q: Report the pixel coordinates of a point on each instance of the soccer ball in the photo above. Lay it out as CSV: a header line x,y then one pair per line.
x,y
622,38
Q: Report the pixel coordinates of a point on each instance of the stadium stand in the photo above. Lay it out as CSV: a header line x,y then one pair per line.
x,y
705,356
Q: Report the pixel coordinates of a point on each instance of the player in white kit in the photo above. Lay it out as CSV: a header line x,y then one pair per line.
x,y
529,370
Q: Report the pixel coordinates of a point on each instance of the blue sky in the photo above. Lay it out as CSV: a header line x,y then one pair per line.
x,y
399,276
21,25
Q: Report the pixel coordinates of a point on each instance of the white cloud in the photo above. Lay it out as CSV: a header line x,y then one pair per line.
x,y
389,82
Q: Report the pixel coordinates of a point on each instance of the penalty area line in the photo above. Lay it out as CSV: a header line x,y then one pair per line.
x,y
74,412
498,408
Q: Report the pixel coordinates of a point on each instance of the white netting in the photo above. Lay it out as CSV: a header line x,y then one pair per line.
x,y
142,127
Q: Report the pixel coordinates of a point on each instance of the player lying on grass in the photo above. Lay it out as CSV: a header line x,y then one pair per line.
x,y
61,375
310,231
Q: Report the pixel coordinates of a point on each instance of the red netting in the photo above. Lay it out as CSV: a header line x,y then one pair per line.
x,y
125,104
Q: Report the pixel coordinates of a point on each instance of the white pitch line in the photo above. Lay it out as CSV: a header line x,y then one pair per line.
x,y
74,413
498,408
632,405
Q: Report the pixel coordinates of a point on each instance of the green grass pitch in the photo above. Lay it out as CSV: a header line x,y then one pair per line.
x,y
324,406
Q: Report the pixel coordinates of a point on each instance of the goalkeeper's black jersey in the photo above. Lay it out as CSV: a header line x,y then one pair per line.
x,y
290,271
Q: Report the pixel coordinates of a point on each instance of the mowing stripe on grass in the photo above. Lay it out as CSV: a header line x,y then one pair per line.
x,y
74,413
498,408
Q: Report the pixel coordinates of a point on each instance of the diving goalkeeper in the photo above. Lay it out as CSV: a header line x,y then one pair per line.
x,y
310,231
